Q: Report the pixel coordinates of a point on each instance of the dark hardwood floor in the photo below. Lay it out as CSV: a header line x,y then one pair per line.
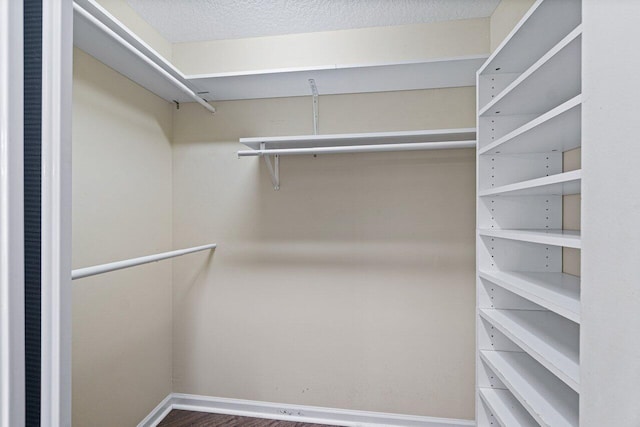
x,y
178,418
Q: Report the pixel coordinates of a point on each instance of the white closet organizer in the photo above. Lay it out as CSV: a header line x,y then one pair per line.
x,y
101,35
268,147
528,310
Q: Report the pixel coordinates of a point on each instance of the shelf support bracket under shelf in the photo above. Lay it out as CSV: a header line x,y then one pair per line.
x,y
316,116
274,169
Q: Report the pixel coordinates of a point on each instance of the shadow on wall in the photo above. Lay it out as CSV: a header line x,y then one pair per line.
x,y
411,196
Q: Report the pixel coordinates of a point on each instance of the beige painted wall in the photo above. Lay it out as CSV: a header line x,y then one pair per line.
x,y
122,11
352,286
505,17
121,209
360,46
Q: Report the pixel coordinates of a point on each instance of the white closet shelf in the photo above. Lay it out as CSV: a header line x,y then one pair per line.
x,y
558,292
552,80
506,408
551,340
548,400
560,184
354,139
101,35
556,130
274,147
338,79
525,41
565,238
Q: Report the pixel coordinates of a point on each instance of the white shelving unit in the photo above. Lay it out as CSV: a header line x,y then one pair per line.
x,y
528,324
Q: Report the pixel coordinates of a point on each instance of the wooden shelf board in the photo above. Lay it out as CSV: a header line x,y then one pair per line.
x,y
557,130
371,138
506,408
552,80
551,340
566,238
550,401
560,184
558,292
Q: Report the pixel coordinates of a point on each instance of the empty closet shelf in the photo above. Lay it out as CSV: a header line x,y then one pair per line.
x,y
359,139
550,401
526,41
558,292
551,340
371,142
557,72
119,265
414,146
101,35
506,408
559,184
565,238
556,130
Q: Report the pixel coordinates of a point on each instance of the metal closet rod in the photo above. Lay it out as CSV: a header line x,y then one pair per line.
x,y
414,146
149,62
119,265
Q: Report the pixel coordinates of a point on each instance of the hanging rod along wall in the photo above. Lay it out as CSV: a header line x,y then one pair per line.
x,y
177,83
119,265
414,146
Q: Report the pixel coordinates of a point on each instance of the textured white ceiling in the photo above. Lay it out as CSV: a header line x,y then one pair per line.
x,y
197,20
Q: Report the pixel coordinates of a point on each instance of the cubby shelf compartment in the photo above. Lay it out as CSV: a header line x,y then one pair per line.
x,y
565,238
558,292
555,130
525,41
551,340
553,79
550,401
506,408
559,184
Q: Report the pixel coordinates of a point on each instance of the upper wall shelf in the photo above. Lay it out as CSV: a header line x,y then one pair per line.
x,y
101,35
338,79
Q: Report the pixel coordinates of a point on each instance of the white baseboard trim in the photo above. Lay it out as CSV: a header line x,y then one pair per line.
x,y
285,412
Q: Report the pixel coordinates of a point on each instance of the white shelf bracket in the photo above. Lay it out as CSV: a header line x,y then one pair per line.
x,y
274,169
316,116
